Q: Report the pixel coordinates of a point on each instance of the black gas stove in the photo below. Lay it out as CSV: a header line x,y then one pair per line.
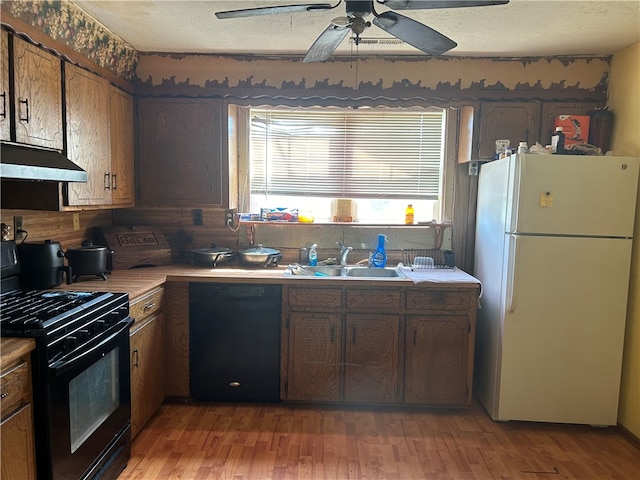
x,y
61,321
80,371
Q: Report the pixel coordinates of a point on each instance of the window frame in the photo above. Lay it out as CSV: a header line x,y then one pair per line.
x,y
239,140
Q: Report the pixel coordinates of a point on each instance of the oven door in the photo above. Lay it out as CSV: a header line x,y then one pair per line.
x,y
90,409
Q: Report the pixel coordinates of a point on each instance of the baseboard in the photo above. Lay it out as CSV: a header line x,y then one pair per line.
x,y
629,436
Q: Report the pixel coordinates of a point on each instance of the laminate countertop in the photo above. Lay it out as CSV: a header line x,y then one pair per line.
x,y
138,281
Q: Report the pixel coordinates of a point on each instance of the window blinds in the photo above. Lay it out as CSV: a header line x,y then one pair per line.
x,y
370,153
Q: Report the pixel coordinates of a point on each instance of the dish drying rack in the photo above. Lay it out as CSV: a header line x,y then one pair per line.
x,y
418,259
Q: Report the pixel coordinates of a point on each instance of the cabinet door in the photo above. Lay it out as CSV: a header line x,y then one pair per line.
x,y
516,121
550,110
436,366
88,136
179,152
371,358
147,372
38,96
315,341
5,132
121,128
16,448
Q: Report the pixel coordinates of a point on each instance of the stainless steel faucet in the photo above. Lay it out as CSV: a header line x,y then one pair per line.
x,y
344,251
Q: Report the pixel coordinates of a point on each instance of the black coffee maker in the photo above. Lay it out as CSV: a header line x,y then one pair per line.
x,y
42,265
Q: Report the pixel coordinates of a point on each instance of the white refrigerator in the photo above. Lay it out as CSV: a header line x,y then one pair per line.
x,y
553,250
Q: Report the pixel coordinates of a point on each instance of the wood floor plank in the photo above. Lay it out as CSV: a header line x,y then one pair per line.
x,y
200,441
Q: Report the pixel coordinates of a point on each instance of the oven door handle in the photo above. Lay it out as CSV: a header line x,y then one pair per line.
x,y
62,366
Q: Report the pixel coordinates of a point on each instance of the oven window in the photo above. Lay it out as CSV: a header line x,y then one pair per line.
x,y
93,396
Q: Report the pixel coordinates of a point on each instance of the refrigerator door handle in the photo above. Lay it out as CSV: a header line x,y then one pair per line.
x,y
511,274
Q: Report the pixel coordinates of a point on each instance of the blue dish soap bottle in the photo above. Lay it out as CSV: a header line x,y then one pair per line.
x,y
379,259
313,255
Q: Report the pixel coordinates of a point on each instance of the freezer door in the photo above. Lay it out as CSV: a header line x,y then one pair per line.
x,y
573,195
563,329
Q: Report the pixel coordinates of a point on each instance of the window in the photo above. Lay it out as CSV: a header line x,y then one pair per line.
x,y
381,158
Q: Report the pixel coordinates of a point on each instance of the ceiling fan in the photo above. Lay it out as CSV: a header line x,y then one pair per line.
x,y
404,28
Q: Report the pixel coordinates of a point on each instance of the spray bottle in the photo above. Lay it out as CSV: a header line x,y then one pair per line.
x,y
379,259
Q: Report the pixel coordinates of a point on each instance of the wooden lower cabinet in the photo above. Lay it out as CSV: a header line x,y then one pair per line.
x,y
371,358
437,360
411,345
315,353
17,448
147,359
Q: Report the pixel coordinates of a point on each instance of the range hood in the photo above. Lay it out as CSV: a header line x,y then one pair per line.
x,y
24,162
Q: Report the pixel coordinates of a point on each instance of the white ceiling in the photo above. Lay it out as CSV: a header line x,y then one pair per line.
x,y
521,28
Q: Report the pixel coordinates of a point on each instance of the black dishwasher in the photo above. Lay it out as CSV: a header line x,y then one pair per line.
x,y
234,342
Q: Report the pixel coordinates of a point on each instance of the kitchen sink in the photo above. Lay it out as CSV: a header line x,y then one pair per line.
x,y
368,272
334,271
318,271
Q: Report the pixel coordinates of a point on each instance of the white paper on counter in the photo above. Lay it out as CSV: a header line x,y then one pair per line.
x,y
439,275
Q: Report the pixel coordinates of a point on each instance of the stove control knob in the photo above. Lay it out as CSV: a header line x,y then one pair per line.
x,y
83,335
69,343
114,317
97,326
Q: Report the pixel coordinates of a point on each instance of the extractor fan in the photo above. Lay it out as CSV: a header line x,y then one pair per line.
x,y
404,28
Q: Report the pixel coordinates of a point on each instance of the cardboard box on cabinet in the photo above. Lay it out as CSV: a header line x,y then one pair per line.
x,y
574,127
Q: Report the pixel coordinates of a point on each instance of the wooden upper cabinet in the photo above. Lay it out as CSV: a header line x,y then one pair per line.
x,y
551,110
180,159
5,132
122,162
38,96
516,121
88,140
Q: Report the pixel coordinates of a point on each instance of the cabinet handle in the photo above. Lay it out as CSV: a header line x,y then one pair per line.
x,y
4,395
149,306
135,363
4,104
114,181
26,104
107,181
333,333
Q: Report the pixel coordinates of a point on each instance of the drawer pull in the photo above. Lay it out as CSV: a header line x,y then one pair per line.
x,y
234,384
4,395
149,306
135,362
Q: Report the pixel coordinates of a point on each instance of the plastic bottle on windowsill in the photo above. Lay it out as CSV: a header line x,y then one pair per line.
x,y
409,215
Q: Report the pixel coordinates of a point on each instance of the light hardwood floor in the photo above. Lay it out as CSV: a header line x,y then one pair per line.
x,y
283,441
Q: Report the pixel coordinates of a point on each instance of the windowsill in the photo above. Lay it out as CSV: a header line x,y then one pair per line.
x,y
283,234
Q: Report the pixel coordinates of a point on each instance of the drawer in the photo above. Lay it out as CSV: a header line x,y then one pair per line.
x,y
315,297
15,387
438,300
387,299
147,304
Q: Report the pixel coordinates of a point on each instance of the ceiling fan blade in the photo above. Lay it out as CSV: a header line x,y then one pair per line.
x,y
326,43
252,12
423,4
414,33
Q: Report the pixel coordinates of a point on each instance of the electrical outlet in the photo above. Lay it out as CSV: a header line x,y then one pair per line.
x,y
196,213
76,221
17,225
474,167
229,216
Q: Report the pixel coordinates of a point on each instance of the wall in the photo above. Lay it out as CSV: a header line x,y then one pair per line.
x,y
624,102
58,226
